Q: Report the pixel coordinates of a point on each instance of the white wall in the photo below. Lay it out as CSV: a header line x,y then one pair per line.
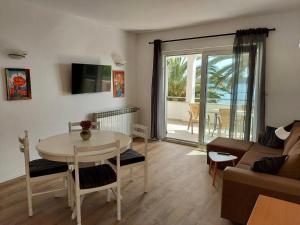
x,y
53,41
178,110
283,60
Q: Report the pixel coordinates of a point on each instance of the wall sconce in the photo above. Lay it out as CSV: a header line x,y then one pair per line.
x,y
118,60
17,54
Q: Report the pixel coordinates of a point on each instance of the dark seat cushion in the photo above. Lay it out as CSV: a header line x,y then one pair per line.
x,y
96,176
128,157
42,167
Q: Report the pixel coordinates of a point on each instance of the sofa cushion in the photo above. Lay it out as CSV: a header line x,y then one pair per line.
x,y
253,155
224,144
270,165
256,147
291,167
269,138
292,139
243,166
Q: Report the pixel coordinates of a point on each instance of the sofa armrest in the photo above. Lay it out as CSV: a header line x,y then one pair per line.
x,y
262,180
242,187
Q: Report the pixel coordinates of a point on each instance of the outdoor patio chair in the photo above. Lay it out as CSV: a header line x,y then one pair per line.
x,y
194,112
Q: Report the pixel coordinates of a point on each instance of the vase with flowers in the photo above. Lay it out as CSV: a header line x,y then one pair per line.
x,y
86,134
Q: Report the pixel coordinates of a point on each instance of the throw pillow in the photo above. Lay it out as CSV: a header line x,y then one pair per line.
x,y
291,167
270,165
269,138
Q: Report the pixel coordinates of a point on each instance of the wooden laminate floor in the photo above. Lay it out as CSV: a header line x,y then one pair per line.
x,y
180,193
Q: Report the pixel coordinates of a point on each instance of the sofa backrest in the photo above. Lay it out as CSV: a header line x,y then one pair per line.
x,y
292,139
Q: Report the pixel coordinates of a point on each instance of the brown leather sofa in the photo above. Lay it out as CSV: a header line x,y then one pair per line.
x,y
241,185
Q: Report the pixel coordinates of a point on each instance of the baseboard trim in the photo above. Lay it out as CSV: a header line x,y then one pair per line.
x,y
12,181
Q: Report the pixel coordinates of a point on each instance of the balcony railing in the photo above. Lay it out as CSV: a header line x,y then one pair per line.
x,y
176,99
178,108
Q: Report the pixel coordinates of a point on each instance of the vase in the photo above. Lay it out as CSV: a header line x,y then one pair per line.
x,y
85,135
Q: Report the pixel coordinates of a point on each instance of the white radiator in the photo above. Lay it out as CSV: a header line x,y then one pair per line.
x,y
120,120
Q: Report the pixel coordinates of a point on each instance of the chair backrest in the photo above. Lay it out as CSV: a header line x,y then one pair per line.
x,y
194,110
224,117
141,131
24,148
72,126
96,154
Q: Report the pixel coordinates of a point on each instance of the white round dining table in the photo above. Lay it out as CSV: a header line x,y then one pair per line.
x,y
61,147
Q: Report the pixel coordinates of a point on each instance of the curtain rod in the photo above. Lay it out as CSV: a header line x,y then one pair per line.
x,y
207,36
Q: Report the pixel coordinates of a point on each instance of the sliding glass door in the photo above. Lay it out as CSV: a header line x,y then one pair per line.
x,y
198,101
217,95
183,76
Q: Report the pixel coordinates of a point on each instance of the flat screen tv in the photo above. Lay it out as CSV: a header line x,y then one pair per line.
x,y
88,78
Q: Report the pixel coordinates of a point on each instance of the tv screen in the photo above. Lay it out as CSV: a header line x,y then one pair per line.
x,y
88,78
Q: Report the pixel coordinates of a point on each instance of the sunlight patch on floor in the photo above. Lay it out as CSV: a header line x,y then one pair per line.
x,y
196,152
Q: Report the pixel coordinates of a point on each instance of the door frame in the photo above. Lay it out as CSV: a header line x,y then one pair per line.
x,y
166,54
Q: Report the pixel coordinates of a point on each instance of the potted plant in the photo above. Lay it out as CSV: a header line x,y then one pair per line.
x,y
86,129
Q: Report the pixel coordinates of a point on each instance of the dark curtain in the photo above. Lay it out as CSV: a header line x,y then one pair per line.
x,y
157,94
248,83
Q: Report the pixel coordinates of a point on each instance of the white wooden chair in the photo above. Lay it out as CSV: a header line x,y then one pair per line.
x,y
72,126
96,178
131,158
41,170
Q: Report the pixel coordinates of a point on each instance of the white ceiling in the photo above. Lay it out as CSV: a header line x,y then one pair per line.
x,y
142,15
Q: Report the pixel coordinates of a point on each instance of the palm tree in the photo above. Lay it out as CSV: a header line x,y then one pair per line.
x,y
219,72
177,67
219,76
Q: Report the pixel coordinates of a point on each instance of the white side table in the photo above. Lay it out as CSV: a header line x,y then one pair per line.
x,y
217,157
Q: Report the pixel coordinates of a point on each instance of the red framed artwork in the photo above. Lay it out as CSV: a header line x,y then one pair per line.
x,y
18,84
118,83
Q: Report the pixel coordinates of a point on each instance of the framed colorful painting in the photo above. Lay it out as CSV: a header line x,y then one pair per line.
x,y
18,84
118,83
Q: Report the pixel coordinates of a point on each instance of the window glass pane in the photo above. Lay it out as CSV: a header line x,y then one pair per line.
x,y
218,96
177,77
183,75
